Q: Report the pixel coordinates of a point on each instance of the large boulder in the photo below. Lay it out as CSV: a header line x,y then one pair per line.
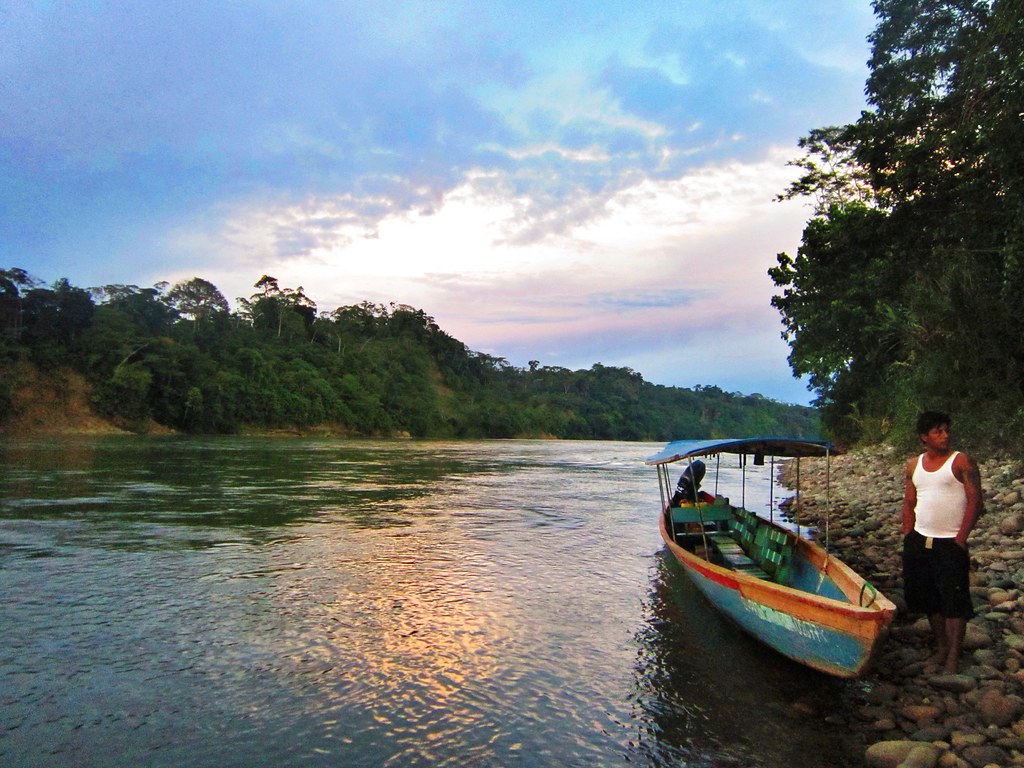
x,y
902,754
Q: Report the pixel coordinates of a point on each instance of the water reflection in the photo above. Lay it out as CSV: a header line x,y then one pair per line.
x,y
391,645
220,483
700,681
236,602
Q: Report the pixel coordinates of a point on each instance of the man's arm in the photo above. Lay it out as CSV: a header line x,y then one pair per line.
x,y
909,498
966,471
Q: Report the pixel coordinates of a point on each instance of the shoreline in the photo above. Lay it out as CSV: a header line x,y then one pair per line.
x,y
902,712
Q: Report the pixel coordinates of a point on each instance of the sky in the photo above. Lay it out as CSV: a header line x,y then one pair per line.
x,y
567,182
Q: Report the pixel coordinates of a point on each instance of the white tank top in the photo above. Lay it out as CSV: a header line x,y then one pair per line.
x,y
941,500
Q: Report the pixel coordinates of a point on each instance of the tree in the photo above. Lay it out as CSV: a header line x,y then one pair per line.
x,y
53,321
125,394
837,304
144,307
941,253
198,300
13,284
389,369
832,175
272,307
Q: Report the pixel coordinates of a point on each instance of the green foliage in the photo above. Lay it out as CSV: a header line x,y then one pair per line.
x,y
832,175
837,305
180,358
125,394
197,299
906,297
6,395
52,322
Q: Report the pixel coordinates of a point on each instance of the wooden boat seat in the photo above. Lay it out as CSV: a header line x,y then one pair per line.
x,y
692,519
733,556
706,513
774,550
734,532
747,524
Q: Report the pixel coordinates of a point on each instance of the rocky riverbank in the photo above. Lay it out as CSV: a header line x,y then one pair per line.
x,y
905,712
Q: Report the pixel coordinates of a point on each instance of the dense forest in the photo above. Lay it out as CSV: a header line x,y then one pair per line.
x,y
179,357
906,292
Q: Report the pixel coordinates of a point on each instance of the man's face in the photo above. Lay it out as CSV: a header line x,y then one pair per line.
x,y
937,438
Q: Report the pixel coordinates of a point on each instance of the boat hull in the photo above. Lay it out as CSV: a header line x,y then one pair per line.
x,y
825,628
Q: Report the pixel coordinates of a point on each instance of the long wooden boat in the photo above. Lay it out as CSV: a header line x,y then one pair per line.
x,y
778,585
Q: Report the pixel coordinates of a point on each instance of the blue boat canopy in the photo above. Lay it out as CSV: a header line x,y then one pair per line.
x,y
764,446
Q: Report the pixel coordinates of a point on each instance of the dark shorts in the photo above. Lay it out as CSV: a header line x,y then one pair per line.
x,y
936,579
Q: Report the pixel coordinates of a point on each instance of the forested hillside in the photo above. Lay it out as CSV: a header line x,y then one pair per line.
x,y
906,292
177,356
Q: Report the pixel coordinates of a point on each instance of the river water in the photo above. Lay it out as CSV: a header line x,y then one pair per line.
x,y
294,602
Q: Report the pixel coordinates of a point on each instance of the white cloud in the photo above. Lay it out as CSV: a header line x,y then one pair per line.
x,y
678,263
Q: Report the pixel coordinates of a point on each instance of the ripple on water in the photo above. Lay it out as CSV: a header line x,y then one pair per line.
x,y
321,603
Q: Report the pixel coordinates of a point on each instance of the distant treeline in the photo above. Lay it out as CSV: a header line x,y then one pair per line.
x,y
178,356
906,292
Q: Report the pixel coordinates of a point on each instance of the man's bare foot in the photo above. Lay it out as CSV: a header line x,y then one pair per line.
x,y
943,660
949,667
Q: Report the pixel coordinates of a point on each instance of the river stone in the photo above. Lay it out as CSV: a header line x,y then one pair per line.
x,y
919,628
934,732
882,693
1010,742
892,754
922,756
985,656
986,754
996,709
1012,523
920,712
980,593
997,596
997,565
955,683
985,672
964,739
976,638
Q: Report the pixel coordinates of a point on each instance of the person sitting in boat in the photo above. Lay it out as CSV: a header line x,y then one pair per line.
x,y
688,488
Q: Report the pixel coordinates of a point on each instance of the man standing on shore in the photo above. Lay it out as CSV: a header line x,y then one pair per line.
x,y
941,504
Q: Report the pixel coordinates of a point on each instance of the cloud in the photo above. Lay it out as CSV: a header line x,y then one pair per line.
x,y
659,271
529,172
